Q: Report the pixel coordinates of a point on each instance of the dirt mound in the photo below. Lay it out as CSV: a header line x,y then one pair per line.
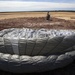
x,y
35,22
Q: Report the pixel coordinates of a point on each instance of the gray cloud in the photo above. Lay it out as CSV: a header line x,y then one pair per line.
x,y
33,6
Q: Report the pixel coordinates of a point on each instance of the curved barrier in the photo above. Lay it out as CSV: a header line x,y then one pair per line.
x,y
29,50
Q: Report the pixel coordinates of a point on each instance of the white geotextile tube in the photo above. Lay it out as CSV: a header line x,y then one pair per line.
x,y
31,50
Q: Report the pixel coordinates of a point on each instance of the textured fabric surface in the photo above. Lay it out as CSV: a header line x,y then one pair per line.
x,y
28,64
26,41
29,50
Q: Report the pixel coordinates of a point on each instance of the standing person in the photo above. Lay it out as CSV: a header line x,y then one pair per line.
x,y
48,16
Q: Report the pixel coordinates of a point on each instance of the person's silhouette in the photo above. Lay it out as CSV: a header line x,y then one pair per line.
x,y
48,16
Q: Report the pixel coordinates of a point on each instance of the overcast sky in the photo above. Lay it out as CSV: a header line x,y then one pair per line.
x,y
36,5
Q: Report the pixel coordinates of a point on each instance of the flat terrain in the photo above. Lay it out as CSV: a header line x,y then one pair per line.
x,y
59,20
62,15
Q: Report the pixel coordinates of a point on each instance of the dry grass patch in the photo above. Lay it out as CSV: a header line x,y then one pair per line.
x,y
61,15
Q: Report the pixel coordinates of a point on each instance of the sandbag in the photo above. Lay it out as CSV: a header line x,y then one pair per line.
x,y
24,50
